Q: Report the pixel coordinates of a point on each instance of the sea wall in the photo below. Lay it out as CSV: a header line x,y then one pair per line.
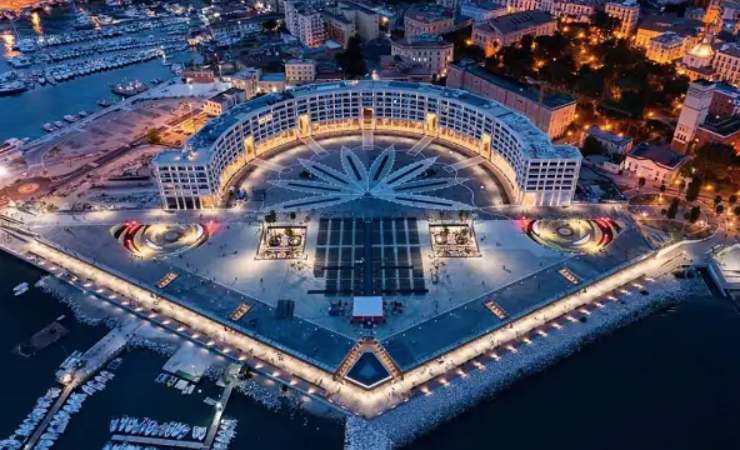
x,y
403,424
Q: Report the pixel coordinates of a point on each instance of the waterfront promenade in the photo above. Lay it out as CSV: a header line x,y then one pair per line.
x,y
346,396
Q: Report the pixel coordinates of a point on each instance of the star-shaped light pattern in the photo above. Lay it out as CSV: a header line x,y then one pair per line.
x,y
405,185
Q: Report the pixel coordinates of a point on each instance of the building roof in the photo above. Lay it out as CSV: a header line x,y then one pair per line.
x,y
225,96
367,306
300,61
702,50
429,13
659,154
273,76
602,135
668,38
731,49
726,88
724,127
531,92
489,5
338,18
423,41
517,21
357,6
625,4
669,22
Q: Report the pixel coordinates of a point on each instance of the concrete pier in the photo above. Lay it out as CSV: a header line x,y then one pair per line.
x,y
231,382
93,360
145,440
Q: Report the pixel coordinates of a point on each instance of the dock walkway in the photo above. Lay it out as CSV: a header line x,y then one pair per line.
x,y
230,385
146,440
94,358
61,400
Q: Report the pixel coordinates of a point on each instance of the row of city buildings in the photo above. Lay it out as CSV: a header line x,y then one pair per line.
x,y
313,23
710,115
423,55
532,170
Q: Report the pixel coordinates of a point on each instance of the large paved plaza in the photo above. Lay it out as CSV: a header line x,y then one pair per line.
x,y
446,274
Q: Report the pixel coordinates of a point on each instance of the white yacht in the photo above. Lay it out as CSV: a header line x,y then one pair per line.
x,y
20,289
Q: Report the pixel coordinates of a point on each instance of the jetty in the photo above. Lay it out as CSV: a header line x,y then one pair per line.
x,y
103,351
232,380
145,440
89,363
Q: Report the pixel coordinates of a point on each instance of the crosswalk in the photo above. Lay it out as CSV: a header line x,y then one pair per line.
x,y
469,162
420,145
269,165
367,140
314,146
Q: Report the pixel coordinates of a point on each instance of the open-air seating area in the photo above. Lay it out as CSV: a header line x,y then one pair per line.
x,y
340,308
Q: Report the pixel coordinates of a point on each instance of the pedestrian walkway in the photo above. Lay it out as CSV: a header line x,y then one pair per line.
x,y
221,405
269,165
314,146
145,440
469,162
367,139
420,145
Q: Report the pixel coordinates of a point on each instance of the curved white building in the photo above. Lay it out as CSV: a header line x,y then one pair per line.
x,y
532,169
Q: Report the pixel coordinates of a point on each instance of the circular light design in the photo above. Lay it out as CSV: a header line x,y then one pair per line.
x,y
572,235
28,188
159,240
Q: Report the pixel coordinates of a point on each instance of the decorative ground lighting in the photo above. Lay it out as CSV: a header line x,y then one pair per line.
x,y
572,235
404,185
161,240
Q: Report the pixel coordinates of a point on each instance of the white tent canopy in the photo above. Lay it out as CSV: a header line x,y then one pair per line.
x,y
367,306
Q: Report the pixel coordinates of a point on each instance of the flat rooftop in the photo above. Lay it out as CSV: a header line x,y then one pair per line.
x,y
660,154
429,13
557,100
519,21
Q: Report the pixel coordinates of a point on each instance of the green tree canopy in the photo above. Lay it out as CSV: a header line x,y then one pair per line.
x,y
692,191
673,208
715,160
694,214
352,60
592,146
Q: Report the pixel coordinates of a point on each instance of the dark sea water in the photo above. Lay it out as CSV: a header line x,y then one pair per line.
x,y
133,392
667,382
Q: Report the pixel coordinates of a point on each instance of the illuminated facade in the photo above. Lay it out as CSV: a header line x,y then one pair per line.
x,y
627,13
305,23
428,19
431,53
507,30
693,113
533,170
726,63
300,71
553,114
666,48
